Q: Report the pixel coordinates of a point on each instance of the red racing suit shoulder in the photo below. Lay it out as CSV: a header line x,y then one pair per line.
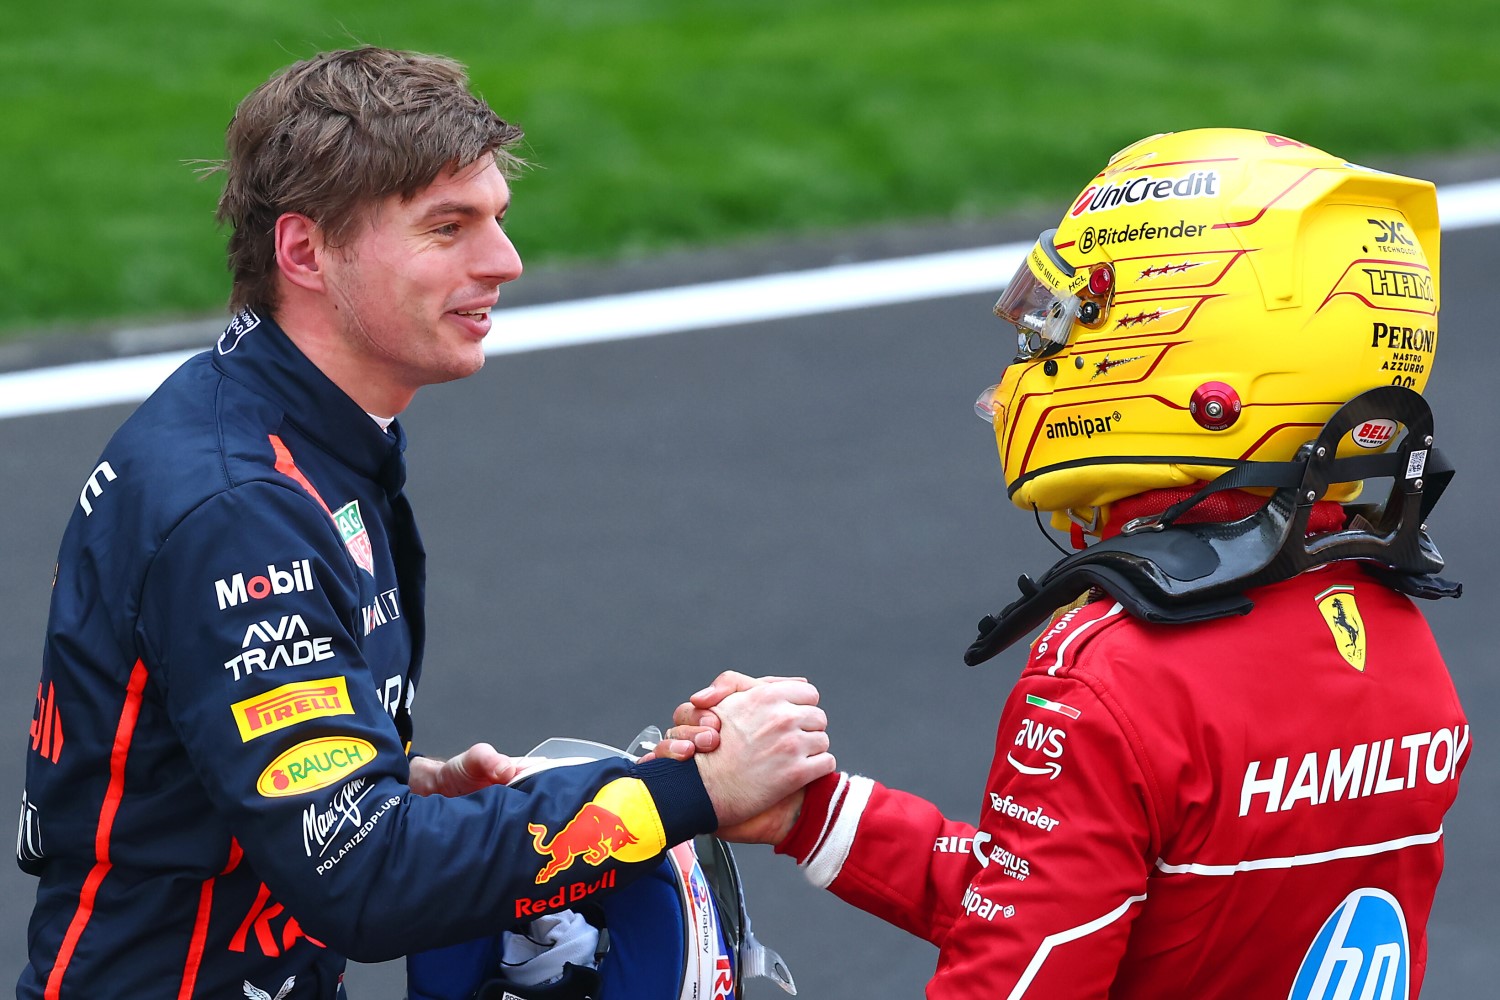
x,y
1224,809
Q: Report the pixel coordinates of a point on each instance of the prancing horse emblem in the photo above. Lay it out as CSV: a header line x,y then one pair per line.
x,y
1341,615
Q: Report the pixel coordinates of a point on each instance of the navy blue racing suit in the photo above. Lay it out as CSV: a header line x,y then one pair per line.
x,y
216,795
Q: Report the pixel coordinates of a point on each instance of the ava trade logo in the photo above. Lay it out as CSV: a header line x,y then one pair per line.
x,y
1362,950
290,704
606,827
312,765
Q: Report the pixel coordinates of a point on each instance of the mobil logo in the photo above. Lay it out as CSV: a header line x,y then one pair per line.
x,y
1362,951
237,589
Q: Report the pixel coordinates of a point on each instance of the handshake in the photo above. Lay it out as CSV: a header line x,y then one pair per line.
x,y
758,743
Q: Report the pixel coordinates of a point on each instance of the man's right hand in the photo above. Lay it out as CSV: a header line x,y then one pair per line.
x,y
773,740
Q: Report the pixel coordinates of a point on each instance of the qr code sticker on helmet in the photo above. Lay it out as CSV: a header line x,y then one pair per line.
x,y
1416,463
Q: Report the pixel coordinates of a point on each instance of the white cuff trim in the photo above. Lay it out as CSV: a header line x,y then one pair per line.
x,y
827,859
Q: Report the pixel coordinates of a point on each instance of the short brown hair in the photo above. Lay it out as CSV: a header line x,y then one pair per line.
x,y
329,136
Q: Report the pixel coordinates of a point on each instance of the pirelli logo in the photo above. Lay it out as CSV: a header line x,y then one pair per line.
x,y
290,704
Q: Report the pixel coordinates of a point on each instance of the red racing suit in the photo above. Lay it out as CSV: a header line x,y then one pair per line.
x,y
1250,807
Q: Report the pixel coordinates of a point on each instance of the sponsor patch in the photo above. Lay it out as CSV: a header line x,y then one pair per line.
x,y
243,322
1392,236
1103,236
983,907
566,895
1341,615
1035,737
620,822
93,488
1374,433
1362,950
1036,817
253,992
290,704
237,589
356,538
1084,427
387,608
1146,187
312,765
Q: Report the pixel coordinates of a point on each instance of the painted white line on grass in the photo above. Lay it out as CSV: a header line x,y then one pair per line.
x,y
668,310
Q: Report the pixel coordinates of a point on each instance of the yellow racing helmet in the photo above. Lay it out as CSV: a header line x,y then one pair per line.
x,y
1210,299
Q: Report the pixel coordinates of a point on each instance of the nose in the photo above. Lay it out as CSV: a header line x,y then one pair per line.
x,y
497,260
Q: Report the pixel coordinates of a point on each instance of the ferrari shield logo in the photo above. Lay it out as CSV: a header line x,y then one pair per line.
x,y
356,539
1341,615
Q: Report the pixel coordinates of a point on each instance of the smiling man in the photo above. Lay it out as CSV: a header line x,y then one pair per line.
x,y
220,794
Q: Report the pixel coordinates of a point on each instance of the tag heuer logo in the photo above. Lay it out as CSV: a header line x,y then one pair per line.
x,y
1341,615
356,539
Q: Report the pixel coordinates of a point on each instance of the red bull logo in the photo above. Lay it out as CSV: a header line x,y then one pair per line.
x,y
594,834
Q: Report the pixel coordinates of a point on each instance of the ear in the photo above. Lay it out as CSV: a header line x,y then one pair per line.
x,y
299,251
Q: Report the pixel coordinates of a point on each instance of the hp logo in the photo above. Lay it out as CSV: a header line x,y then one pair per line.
x,y
1361,953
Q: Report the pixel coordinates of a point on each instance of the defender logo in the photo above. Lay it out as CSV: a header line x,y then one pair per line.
x,y
236,590
1341,615
1361,951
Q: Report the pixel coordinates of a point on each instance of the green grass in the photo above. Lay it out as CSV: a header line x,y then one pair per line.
x,y
669,123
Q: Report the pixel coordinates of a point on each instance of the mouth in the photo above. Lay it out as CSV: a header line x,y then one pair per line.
x,y
475,321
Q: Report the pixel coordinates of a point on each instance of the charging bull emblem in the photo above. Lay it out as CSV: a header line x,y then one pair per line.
x,y
594,834
1341,615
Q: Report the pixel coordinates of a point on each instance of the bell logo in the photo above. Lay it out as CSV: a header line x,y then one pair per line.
x,y
314,764
1375,433
1341,615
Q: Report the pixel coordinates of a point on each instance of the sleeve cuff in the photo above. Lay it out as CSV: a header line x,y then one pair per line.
x,y
681,800
824,832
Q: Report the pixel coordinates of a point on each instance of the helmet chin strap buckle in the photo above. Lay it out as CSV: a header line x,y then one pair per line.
x,y
1165,572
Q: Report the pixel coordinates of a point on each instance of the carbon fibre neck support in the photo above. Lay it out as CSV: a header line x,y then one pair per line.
x,y
1172,573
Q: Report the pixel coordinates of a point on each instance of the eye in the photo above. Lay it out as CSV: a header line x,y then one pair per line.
x,y
447,229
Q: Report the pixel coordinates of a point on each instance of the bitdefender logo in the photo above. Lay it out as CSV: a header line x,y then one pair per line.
x,y
237,589
1102,198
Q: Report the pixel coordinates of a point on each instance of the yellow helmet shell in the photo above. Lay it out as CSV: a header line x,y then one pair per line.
x,y
1252,276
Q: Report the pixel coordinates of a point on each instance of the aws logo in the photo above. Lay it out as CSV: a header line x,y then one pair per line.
x,y
1362,950
1341,615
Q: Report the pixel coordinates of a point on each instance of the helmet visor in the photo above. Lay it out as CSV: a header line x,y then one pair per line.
x,y
1042,300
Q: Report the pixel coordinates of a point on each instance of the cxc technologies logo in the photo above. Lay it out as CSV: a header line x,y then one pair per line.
x,y
1361,951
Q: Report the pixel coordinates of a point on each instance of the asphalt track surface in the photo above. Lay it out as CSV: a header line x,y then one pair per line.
x,y
610,525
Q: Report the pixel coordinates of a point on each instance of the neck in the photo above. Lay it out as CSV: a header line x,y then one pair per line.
x,y
362,379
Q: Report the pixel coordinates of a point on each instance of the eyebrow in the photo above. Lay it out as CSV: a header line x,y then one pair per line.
x,y
459,208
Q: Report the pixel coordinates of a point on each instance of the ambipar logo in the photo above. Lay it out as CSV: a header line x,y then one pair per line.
x,y
1362,952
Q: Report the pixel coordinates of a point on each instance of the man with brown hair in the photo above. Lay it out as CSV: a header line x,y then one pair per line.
x,y
220,797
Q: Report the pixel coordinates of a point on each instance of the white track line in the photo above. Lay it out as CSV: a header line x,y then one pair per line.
x,y
668,310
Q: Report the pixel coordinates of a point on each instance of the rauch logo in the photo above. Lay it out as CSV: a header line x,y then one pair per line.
x,y
314,764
